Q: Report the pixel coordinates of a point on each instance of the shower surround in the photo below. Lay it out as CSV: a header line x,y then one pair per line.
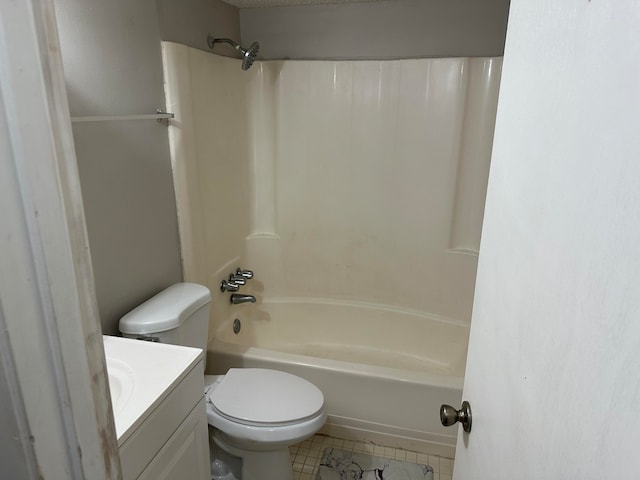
x,y
355,191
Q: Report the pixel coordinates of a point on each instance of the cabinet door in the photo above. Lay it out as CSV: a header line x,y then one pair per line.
x,y
186,453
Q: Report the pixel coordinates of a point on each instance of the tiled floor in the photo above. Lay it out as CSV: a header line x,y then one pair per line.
x,y
305,456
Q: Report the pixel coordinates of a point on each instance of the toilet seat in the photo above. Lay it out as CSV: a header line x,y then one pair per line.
x,y
249,427
262,397
263,437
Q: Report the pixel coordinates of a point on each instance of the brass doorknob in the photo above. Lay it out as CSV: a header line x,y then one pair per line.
x,y
449,416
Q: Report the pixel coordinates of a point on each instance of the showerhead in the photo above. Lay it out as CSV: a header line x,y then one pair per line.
x,y
248,54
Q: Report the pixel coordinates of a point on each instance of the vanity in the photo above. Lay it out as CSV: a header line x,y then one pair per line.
x,y
157,395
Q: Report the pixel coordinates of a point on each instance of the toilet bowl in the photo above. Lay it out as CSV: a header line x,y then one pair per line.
x,y
254,414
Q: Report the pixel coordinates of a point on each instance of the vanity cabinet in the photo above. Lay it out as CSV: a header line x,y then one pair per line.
x,y
162,424
171,442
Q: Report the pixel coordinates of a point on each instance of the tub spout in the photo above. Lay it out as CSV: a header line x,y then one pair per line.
x,y
237,298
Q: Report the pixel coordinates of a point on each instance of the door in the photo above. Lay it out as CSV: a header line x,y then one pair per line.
x,y
553,371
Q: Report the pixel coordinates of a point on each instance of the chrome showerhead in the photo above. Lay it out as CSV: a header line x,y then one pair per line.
x,y
248,54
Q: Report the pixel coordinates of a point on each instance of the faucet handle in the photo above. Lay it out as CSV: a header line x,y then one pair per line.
x,y
237,279
228,286
248,274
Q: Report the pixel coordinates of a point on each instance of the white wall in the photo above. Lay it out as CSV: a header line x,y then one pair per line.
x,y
113,66
112,63
377,30
335,179
190,21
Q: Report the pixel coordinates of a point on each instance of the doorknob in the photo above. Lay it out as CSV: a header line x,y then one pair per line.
x,y
449,416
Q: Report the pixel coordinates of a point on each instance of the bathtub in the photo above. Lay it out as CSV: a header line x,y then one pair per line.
x,y
387,389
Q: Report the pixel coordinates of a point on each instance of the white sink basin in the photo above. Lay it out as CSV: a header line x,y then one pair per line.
x,y
141,375
121,383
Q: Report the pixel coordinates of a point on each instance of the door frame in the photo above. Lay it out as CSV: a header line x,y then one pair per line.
x,y
53,376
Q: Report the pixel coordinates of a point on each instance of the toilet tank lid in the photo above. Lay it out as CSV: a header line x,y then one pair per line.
x,y
166,310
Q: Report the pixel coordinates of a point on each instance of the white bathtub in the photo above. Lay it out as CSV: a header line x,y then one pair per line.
x,y
384,372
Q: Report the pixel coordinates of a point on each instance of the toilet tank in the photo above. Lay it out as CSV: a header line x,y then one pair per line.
x,y
178,315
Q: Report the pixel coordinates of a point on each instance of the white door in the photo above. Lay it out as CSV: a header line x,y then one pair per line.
x,y
553,372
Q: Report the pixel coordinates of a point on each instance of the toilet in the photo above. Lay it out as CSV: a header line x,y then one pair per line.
x,y
254,414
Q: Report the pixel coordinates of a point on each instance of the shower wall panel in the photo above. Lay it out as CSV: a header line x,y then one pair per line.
x,y
380,177
209,138
340,180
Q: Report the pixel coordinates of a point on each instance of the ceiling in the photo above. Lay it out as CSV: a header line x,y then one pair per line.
x,y
282,3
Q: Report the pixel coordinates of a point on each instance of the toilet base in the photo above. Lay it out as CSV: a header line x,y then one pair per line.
x,y
224,466
235,463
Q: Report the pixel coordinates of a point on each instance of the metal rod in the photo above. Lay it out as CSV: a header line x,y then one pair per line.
x,y
111,118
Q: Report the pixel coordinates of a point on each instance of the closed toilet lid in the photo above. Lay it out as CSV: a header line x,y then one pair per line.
x,y
261,396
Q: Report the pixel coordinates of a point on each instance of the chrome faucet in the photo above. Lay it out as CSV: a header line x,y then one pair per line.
x,y
228,286
237,279
238,298
248,274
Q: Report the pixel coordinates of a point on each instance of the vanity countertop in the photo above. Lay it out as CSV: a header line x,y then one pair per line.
x,y
141,376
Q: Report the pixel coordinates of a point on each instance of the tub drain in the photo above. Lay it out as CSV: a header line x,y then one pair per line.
x,y
236,326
